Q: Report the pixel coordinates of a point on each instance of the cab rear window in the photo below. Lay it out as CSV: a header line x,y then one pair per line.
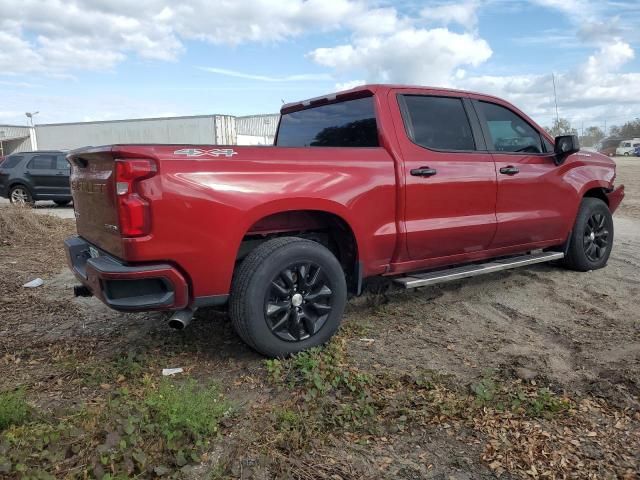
x,y
351,123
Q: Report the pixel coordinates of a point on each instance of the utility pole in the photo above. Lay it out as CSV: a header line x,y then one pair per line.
x,y
555,97
605,128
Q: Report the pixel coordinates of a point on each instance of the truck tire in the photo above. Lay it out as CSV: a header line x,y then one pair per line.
x,y
592,237
288,295
20,195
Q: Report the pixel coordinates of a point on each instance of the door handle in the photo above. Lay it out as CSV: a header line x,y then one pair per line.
x,y
423,172
510,170
60,173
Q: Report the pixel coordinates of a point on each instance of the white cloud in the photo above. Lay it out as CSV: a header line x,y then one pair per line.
x,y
412,55
349,85
266,78
377,43
462,13
377,21
589,92
609,58
57,36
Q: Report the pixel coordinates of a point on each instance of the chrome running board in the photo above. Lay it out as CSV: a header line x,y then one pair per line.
x,y
448,275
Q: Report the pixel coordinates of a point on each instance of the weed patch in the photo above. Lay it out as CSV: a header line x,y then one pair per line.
x,y
530,402
13,409
150,429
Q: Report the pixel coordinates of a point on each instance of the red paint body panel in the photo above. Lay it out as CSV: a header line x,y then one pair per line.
x,y
202,208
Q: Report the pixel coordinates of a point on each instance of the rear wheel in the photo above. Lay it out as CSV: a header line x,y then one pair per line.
x,y
20,195
592,237
288,295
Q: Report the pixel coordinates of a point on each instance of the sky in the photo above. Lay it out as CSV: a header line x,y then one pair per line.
x,y
111,59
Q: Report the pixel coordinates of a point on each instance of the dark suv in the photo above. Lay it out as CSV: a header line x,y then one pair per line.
x,y
29,176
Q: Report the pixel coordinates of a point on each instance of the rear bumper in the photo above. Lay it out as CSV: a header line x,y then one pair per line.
x,y
124,287
615,198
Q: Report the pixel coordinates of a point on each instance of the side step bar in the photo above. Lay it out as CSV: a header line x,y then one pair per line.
x,y
448,275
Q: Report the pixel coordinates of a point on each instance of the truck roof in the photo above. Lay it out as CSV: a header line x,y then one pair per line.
x,y
363,90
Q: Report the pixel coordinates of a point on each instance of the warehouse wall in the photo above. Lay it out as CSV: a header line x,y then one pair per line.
x,y
14,138
257,129
206,129
16,146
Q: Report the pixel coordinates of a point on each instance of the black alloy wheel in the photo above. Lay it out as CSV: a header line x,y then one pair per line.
x,y
288,294
596,237
591,240
298,302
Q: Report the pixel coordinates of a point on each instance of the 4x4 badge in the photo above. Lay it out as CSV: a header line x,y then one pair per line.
x,y
215,152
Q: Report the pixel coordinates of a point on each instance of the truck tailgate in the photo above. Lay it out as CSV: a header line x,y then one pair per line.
x,y
94,199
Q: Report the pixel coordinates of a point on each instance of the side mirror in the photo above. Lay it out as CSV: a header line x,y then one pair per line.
x,y
565,146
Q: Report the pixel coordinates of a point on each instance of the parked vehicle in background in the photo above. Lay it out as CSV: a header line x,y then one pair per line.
x,y
30,176
422,185
607,146
637,151
627,147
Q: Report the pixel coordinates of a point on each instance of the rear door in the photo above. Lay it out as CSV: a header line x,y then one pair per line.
x,y
531,191
450,192
42,173
62,176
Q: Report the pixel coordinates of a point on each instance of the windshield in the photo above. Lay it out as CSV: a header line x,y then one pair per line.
x,y
351,123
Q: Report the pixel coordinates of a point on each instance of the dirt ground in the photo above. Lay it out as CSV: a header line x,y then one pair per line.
x,y
565,343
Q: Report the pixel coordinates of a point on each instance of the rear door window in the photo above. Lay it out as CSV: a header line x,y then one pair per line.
x,y
507,131
43,162
439,123
351,123
11,161
63,164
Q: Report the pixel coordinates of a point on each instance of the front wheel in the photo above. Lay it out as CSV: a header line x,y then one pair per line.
x,y
592,237
288,295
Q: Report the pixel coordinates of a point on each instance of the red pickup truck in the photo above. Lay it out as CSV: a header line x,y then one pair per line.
x,y
422,185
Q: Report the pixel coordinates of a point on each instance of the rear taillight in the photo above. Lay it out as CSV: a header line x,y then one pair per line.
x,y
134,211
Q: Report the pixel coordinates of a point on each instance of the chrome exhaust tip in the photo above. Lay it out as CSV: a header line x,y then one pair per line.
x,y
181,319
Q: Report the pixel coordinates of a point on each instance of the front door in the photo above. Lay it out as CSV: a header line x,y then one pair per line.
x,y
532,196
450,190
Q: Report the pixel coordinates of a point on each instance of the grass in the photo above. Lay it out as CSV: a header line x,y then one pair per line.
x,y
187,408
13,409
146,427
531,402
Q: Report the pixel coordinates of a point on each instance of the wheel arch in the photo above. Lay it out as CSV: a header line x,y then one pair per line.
x,y
21,183
323,225
597,192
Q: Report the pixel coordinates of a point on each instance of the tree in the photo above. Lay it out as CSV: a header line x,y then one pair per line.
x,y
615,131
631,129
592,135
561,126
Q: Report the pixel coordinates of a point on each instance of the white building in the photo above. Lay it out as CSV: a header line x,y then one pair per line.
x,y
200,129
16,138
